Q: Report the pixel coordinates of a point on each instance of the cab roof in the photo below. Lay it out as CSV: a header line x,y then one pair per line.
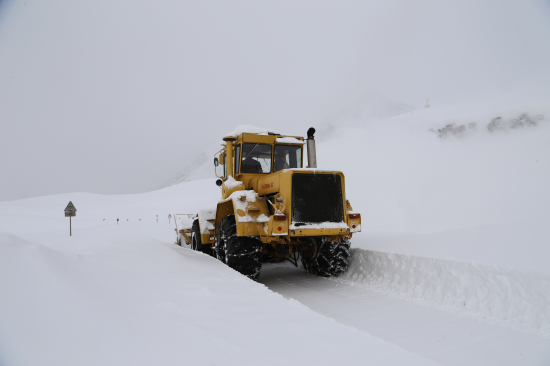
x,y
265,139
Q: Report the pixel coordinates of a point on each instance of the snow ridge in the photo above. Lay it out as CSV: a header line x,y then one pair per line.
x,y
506,296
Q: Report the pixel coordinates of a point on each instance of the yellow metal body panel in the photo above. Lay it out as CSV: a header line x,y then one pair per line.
x,y
224,208
320,232
268,184
262,139
208,238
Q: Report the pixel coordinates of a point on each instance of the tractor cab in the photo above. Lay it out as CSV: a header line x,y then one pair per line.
x,y
252,156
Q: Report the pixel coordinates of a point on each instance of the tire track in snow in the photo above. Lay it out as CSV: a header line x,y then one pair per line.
x,y
449,339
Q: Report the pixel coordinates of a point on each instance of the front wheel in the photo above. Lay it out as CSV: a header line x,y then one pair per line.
x,y
243,254
331,258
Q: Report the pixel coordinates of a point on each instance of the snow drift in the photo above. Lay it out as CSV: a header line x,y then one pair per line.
x,y
511,297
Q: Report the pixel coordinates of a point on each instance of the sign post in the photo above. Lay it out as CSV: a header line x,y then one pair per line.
x,y
70,211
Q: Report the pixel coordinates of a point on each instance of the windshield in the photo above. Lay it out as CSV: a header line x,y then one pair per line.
x,y
256,158
287,157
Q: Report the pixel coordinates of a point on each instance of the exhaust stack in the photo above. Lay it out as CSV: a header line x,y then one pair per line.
x,y
229,154
311,154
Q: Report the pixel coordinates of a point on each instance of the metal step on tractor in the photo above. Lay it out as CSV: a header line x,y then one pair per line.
x,y
274,209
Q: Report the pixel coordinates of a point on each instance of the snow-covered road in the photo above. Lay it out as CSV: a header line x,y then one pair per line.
x,y
434,334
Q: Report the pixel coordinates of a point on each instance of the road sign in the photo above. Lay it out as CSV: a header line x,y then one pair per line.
x,y
70,211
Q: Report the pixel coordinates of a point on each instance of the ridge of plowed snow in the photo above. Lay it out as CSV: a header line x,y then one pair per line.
x,y
512,297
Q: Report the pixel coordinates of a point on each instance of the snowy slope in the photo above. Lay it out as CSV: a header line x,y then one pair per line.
x,y
403,177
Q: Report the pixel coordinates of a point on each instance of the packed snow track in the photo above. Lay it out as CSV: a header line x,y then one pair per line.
x,y
451,312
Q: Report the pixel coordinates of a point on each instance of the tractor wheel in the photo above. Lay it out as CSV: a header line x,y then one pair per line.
x,y
196,243
330,259
193,242
243,254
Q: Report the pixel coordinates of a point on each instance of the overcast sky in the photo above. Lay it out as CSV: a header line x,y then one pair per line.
x,y
115,96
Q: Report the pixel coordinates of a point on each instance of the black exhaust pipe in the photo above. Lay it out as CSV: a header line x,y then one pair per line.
x,y
311,154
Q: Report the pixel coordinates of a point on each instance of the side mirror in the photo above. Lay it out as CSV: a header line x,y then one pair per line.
x,y
219,182
216,162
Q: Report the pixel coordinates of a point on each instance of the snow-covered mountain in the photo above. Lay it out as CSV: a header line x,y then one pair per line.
x,y
192,169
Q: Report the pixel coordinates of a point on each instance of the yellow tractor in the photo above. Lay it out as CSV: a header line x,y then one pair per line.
x,y
272,208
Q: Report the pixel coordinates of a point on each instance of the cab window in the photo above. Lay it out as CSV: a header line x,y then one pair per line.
x,y
287,157
256,158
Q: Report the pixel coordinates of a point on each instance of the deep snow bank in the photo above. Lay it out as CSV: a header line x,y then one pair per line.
x,y
513,297
517,245
124,299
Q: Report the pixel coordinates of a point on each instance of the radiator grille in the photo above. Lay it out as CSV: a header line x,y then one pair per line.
x,y
316,198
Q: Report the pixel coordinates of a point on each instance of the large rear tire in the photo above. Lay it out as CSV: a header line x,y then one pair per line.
x,y
243,254
331,259
196,243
